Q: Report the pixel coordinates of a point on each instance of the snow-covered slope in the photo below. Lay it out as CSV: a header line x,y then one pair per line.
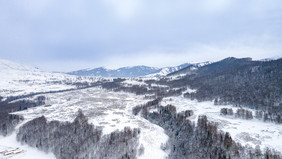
x,y
18,79
9,65
167,70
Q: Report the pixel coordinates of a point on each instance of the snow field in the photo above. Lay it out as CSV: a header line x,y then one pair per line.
x,y
17,79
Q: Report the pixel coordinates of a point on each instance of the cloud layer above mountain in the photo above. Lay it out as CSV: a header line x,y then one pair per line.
x,y
69,34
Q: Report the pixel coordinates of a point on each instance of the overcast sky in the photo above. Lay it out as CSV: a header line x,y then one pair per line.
x,y
66,35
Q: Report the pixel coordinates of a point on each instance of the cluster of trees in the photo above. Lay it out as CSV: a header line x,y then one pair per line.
x,y
226,111
79,139
144,107
116,85
175,92
201,140
8,106
8,122
266,116
137,89
246,114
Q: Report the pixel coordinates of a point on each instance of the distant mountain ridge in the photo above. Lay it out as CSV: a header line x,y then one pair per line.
x,y
135,71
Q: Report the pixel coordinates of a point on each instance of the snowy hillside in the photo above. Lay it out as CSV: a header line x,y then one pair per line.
x,y
18,79
167,70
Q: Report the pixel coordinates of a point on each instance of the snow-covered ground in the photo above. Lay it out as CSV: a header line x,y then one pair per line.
x,y
134,81
18,79
109,110
9,144
106,109
252,132
140,82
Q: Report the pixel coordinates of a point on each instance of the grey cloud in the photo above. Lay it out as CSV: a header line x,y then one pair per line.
x,y
96,32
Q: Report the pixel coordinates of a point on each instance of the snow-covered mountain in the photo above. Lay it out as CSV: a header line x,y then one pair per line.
x,y
168,70
135,71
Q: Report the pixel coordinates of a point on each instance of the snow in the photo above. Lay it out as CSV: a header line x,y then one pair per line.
x,y
252,132
159,85
9,65
133,81
17,79
140,82
167,70
201,64
163,72
189,90
113,111
177,76
106,109
10,143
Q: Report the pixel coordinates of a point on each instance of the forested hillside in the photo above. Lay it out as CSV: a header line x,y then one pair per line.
x,y
242,82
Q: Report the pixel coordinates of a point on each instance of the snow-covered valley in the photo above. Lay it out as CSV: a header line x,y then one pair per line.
x,y
113,110
105,109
